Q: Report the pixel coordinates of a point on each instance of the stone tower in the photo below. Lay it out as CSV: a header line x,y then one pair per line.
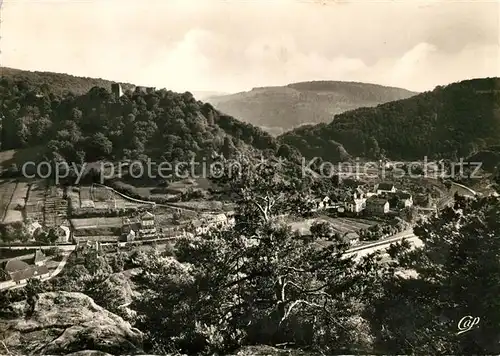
x,y
116,89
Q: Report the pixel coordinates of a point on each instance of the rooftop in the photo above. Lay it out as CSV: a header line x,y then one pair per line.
x,y
39,256
385,186
15,265
147,215
404,195
376,201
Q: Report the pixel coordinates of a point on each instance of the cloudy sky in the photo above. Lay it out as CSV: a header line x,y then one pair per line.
x,y
231,46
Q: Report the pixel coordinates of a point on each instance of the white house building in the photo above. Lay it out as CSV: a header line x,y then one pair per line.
x,y
33,227
384,188
355,205
147,226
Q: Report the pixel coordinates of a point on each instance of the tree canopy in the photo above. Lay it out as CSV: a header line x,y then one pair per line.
x,y
456,120
96,125
256,282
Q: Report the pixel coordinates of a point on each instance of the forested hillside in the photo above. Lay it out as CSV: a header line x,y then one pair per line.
x,y
282,108
57,83
97,125
455,120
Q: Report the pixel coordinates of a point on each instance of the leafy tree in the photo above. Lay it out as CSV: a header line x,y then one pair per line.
x,y
5,300
95,125
110,293
96,264
117,262
254,282
456,273
52,236
32,289
228,149
322,230
99,145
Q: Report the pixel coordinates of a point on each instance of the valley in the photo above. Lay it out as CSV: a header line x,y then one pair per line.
x,y
248,229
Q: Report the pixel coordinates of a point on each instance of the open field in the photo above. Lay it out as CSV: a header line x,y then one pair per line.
x,y
351,224
36,200
7,189
181,186
85,199
55,206
149,190
13,216
74,198
204,205
97,197
19,196
94,223
340,225
17,203
19,156
94,238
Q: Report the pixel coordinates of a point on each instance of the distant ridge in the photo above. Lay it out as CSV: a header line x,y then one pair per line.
x,y
281,108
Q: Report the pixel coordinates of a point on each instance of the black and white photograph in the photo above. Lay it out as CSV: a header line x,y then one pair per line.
x,y
249,177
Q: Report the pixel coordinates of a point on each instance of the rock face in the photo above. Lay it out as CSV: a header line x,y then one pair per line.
x,y
264,350
67,323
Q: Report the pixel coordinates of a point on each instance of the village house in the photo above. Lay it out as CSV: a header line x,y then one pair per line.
x,y
377,206
20,271
405,199
147,227
400,200
220,220
355,205
325,203
202,226
358,193
33,227
385,188
63,233
197,227
145,90
352,238
356,202
130,236
128,225
39,258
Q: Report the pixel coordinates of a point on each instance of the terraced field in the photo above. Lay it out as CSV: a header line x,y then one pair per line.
x,y
96,197
352,224
7,189
341,225
18,201
89,223
36,201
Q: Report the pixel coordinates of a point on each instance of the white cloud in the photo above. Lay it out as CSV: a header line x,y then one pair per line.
x,y
234,45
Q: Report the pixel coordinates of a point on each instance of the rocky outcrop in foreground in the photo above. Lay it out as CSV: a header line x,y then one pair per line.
x,y
67,323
